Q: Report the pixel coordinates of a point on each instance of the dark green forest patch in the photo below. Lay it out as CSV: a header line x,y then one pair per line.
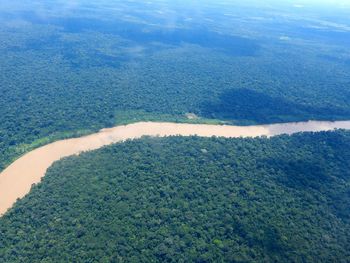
x,y
192,199
67,70
244,105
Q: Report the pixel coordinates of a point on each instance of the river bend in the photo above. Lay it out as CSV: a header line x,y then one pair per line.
x,y
17,179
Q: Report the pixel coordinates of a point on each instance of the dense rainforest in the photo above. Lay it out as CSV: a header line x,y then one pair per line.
x,y
71,69
190,199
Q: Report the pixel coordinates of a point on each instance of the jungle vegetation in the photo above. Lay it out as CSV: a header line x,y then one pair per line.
x,y
71,69
178,199
67,70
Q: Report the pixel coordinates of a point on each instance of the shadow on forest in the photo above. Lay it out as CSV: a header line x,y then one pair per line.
x,y
253,106
307,175
301,174
148,35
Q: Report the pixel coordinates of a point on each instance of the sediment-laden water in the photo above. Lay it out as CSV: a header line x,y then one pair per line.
x,y
17,179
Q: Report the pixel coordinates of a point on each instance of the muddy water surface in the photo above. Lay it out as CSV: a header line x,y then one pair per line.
x,y
16,180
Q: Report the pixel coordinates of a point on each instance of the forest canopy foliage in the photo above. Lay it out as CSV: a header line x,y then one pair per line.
x,y
178,199
67,70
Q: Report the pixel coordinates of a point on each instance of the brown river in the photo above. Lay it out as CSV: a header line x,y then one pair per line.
x,y
17,179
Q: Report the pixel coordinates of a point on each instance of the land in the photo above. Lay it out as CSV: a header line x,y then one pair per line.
x,y
181,199
66,71
71,68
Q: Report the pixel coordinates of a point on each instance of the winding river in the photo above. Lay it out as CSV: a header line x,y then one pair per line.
x,y
17,179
